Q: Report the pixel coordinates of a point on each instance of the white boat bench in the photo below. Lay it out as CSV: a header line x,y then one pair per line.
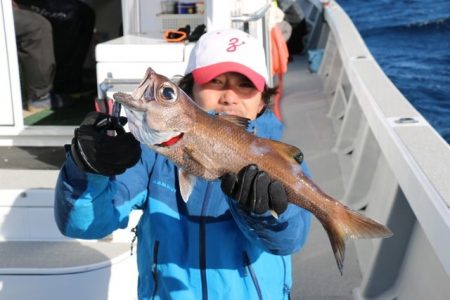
x,y
58,257
38,262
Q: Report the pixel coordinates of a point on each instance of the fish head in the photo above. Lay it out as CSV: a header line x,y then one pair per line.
x,y
157,110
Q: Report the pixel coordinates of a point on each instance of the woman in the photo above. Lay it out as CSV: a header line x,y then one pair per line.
x,y
223,243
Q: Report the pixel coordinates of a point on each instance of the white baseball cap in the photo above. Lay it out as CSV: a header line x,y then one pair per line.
x,y
228,50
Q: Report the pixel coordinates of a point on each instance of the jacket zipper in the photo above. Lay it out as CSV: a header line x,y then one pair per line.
x,y
248,265
202,243
286,290
155,268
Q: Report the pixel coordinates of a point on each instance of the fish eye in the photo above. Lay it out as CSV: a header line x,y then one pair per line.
x,y
167,92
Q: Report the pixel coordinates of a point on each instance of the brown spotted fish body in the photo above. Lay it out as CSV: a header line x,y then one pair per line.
x,y
162,116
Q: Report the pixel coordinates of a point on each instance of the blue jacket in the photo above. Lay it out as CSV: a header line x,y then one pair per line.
x,y
205,248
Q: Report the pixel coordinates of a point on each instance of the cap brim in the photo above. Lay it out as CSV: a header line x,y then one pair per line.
x,y
203,75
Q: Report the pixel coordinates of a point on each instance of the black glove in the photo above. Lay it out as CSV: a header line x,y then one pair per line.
x,y
254,190
93,150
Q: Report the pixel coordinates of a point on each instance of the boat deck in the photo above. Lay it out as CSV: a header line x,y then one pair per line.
x,y
316,275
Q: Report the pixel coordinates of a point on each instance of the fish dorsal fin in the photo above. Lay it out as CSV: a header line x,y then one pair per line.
x,y
290,151
239,121
186,182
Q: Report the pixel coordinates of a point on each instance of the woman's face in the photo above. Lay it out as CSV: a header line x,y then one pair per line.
x,y
230,93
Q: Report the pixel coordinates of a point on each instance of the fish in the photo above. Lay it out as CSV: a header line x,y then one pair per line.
x,y
162,116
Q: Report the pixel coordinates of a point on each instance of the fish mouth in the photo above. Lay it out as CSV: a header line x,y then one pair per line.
x,y
141,95
136,106
129,101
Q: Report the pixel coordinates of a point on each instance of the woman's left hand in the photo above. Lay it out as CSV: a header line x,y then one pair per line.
x,y
254,191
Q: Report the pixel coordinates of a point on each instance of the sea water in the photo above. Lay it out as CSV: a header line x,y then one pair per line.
x,y
410,39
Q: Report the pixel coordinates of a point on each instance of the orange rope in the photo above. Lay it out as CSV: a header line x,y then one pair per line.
x,y
277,98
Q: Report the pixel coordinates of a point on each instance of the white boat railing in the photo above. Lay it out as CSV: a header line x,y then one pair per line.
x,y
394,165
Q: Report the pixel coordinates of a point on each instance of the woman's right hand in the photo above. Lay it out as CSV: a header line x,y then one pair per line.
x,y
94,151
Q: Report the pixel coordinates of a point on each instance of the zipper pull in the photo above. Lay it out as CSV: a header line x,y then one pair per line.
x,y
246,262
134,230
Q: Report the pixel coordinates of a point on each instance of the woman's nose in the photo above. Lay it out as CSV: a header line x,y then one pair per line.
x,y
229,96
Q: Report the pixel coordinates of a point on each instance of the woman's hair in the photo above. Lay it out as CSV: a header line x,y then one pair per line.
x,y
187,82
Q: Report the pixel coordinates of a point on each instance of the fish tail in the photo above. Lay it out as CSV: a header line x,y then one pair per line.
x,y
350,224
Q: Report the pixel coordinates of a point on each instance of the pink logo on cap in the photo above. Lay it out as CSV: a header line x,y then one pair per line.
x,y
233,44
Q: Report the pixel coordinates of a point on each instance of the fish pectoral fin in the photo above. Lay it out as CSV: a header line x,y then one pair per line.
x,y
186,182
290,151
239,121
201,163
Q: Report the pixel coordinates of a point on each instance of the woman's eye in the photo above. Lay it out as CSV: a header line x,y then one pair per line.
x,y
168,93
247,84
216,81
